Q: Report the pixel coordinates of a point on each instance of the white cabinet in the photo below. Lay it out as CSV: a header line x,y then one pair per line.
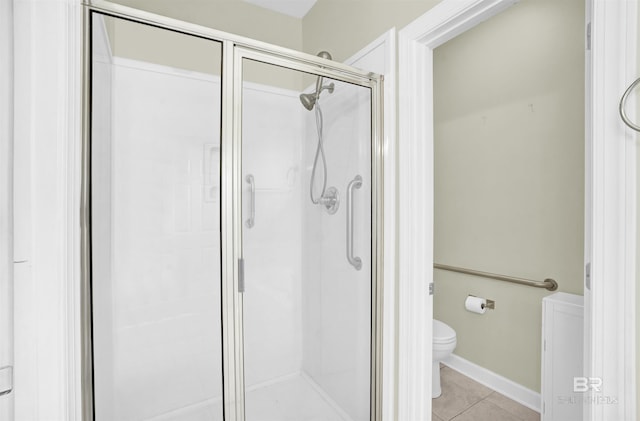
x,y
562,333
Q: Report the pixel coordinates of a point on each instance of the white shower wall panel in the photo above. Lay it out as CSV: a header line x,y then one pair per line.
x,y
336,297
165,242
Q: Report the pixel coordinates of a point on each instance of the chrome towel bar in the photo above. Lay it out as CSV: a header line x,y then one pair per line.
x,y
548,283
249,223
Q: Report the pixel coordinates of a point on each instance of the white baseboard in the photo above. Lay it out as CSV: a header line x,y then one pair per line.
x,y
508,388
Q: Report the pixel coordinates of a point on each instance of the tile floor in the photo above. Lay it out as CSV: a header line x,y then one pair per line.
x,y
464,399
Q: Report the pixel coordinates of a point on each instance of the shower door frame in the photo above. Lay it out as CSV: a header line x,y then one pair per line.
x,y
375,84
234,50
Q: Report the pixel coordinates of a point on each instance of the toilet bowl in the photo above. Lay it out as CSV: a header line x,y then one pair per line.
x,y
444,342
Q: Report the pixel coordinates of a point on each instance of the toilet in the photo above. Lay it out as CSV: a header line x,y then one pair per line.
x,y
444,342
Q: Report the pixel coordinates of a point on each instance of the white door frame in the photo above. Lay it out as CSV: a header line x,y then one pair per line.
x,y
610,228
46,174
610,349
416,43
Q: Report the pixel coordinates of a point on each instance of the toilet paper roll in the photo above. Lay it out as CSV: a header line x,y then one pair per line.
x,y
475,304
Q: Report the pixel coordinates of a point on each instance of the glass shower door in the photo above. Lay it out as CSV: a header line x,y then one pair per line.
x,y
155,233
307,245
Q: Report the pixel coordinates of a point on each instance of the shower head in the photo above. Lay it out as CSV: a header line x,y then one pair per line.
x,y
309,100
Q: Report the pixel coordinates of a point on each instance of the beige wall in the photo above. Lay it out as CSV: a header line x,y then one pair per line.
x,y
509,173
338,26
234,16
143,43
153,45
344,27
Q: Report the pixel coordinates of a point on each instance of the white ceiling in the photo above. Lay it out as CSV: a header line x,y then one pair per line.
x,y
295,8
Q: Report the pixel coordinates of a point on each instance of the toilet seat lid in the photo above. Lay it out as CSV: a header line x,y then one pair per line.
x,y
442,332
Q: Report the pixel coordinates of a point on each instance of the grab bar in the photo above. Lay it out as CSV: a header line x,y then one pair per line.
x,y
252,185
548,283
623,104
356,262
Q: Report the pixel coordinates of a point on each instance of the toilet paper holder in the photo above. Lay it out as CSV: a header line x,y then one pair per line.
x,y
490,303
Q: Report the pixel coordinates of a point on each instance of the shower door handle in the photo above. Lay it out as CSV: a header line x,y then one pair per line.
x,y
252,186
356,262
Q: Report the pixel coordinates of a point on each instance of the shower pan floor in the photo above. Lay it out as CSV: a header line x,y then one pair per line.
x,y
291,398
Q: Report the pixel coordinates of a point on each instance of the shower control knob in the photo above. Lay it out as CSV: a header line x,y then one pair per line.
x,y
331,200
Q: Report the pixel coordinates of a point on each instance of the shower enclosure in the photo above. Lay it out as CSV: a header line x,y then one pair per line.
x,y
232,263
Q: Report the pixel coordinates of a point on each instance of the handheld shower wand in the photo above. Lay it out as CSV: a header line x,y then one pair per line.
x,y
329,198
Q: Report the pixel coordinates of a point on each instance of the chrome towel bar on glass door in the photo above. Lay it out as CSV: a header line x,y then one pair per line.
x,y
548,283
252,189
356,262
